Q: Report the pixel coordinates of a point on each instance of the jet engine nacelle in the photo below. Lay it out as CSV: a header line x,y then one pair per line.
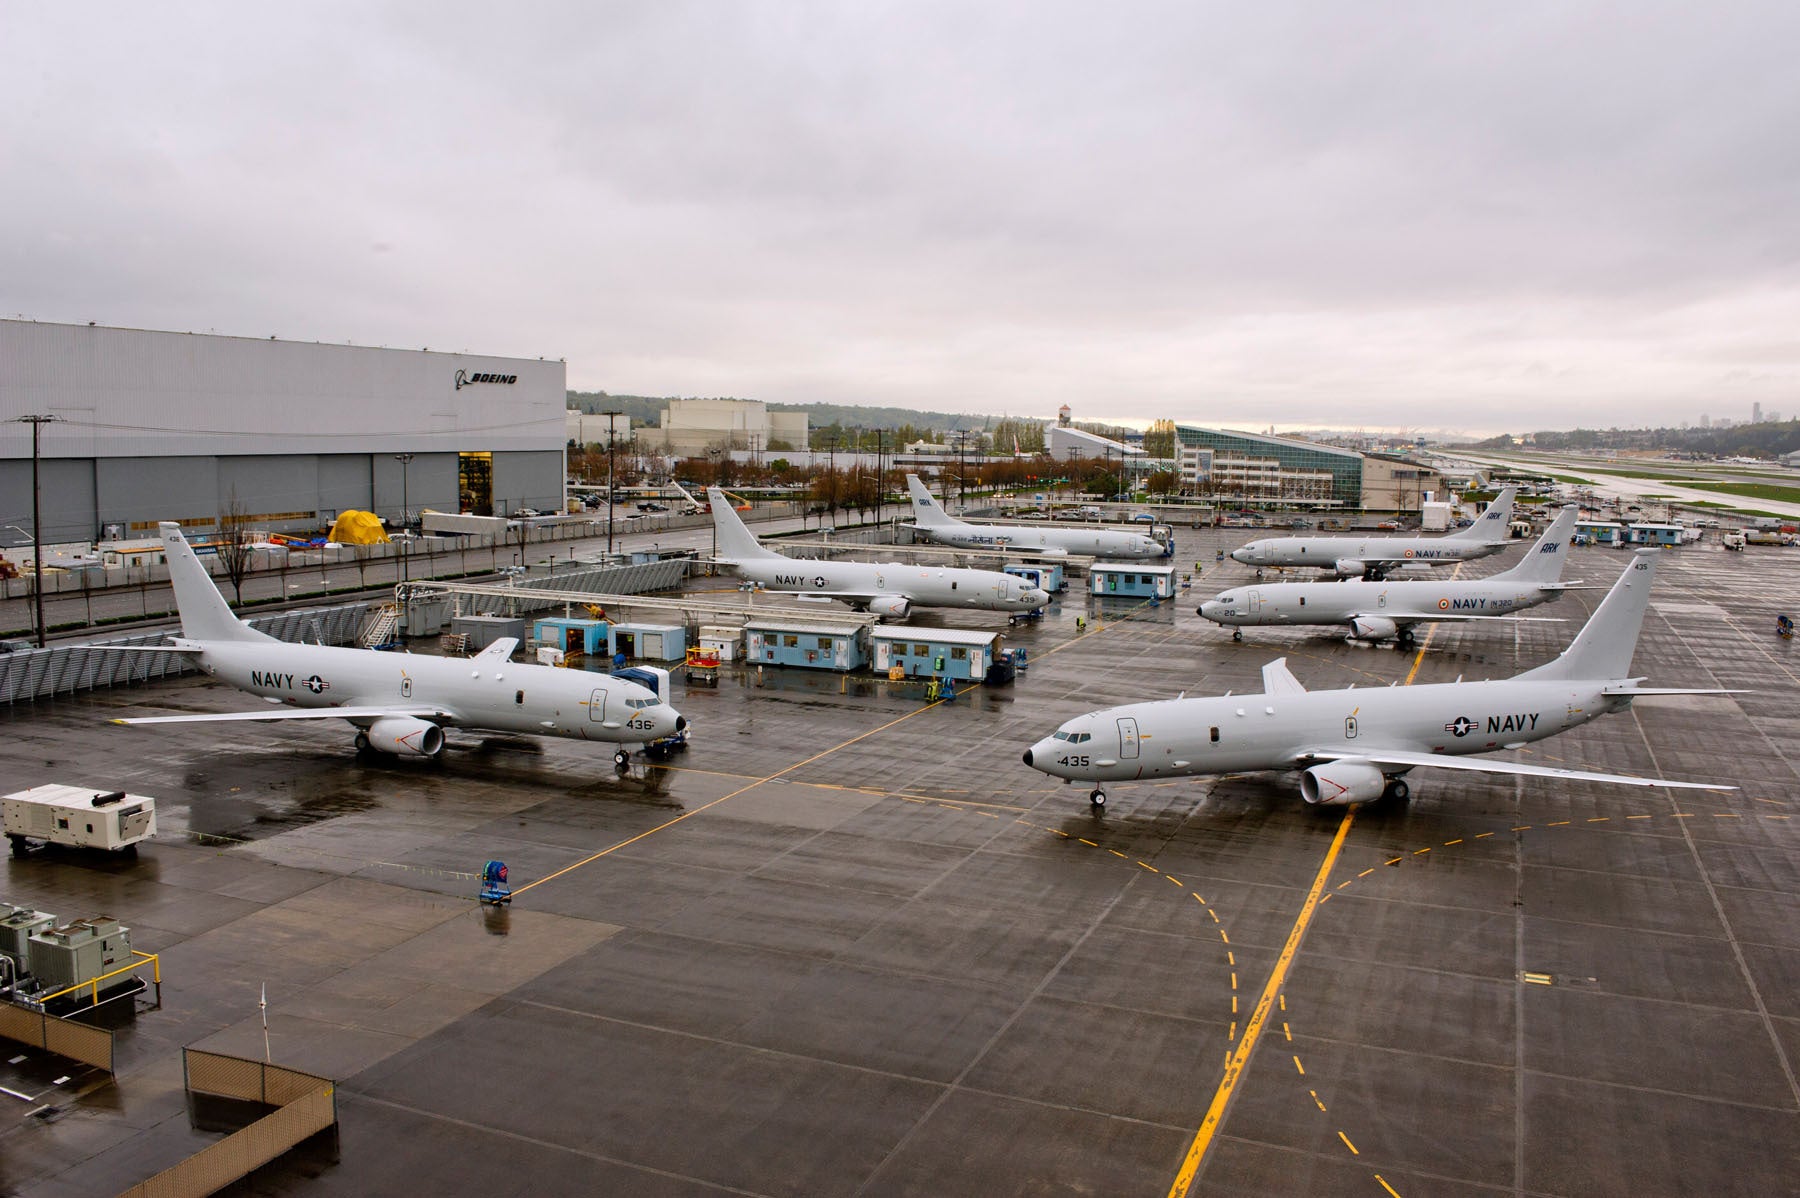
x,y
406,736
1339,783
1349,567
895,606
1373,628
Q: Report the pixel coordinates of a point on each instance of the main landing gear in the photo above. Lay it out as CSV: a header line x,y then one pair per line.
x,y
362,743
1397,790
1097,797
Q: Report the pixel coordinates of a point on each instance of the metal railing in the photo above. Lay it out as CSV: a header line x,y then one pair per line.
x,y
92,985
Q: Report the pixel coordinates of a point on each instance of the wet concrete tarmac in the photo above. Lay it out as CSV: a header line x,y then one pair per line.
x,y
848,944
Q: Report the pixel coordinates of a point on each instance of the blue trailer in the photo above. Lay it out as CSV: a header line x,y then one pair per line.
x,y
807,644
958,654
1132,580
1047,575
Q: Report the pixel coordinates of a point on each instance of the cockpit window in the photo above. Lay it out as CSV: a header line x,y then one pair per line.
x,y
1074,738
636,703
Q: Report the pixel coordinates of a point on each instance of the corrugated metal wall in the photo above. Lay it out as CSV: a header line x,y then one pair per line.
x,y
64,669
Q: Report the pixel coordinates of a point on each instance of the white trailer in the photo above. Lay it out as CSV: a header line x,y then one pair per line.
x,y
78,816
1434,517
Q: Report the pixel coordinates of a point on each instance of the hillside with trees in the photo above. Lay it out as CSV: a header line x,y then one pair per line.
x,y
1767,440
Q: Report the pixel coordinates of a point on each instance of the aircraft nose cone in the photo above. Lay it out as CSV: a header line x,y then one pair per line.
x,y
680,723
1027,756
1239,555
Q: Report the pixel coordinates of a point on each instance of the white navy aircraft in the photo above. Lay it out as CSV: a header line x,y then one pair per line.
x,y
400,703
1353,746
1374,557
1378,611
885,588
933,521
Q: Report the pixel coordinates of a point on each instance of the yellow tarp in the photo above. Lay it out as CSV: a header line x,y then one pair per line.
x,y
358,528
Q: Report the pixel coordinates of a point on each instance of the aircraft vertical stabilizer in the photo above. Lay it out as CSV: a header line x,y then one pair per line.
x,y
1603,648
1491,524
736,542
1546,560
926,510
205,616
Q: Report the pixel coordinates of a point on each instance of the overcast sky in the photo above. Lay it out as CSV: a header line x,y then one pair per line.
x,y
1491,217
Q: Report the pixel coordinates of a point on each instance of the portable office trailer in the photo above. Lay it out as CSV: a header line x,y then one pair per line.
x,y
78,816
648,642
955,653
484,630
1599,532
1656,534
1047,575
570,635
808,644
1133,580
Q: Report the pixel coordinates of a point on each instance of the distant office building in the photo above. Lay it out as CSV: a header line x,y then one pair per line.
x,y
1755,413
155,426
693,428
1397,484
1253,466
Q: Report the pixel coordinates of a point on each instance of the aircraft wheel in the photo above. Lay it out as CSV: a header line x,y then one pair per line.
x,y
1398,790
1097,797
362,742
621,759
1237,634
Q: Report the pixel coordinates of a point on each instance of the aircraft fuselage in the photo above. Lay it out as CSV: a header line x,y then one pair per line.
x,y
1181,737
503,696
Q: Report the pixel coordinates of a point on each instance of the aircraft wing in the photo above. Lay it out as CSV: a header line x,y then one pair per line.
x,y
1445,617
297,713
1400,757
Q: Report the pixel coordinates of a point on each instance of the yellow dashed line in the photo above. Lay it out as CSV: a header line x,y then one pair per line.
x,y
1232,1034
1234,979
1448,843
1317,1101
1345,883
1230,958
1287,1032
1301,1068
1282,998
1426,849
1150,867
1173,879
1117,853
1599,819
1558,823
1726,815
1089,843
1348,1144
1384,1185
1482,835
1523,828
1365,873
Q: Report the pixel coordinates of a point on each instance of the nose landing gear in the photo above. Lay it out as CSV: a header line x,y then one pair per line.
x,y
1097,797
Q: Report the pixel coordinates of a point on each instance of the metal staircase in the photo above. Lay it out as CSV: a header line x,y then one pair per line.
x,y
380,626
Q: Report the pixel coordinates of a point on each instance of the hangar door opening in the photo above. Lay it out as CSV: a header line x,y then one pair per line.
x,y
475,482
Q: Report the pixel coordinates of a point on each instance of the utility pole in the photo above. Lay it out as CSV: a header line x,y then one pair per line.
x,y
405,516
37,424
611,495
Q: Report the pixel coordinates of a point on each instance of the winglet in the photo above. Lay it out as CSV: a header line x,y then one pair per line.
x,y
1279,680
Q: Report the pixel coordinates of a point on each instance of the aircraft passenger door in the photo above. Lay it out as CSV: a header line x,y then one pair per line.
x,y
1128,739
597,707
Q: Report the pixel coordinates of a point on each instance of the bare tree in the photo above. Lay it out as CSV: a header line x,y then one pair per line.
x,y
234,545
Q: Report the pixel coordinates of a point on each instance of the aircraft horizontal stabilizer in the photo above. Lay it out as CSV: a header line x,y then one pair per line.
x,y
296,713
1385,758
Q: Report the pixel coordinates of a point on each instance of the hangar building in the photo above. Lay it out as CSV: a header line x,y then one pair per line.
x,y
156,426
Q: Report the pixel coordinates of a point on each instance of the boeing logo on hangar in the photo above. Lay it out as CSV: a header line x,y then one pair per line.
x,y
465,379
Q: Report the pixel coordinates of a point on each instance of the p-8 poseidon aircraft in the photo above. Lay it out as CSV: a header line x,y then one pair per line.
x,y
1376,611
1375,557
885,588
400,703
1356,745
933,521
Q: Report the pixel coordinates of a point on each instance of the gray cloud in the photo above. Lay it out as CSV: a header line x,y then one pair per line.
x,y
1405,215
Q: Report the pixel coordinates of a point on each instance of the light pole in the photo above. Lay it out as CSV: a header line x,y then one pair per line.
x,y
405,515
612,497
37,424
